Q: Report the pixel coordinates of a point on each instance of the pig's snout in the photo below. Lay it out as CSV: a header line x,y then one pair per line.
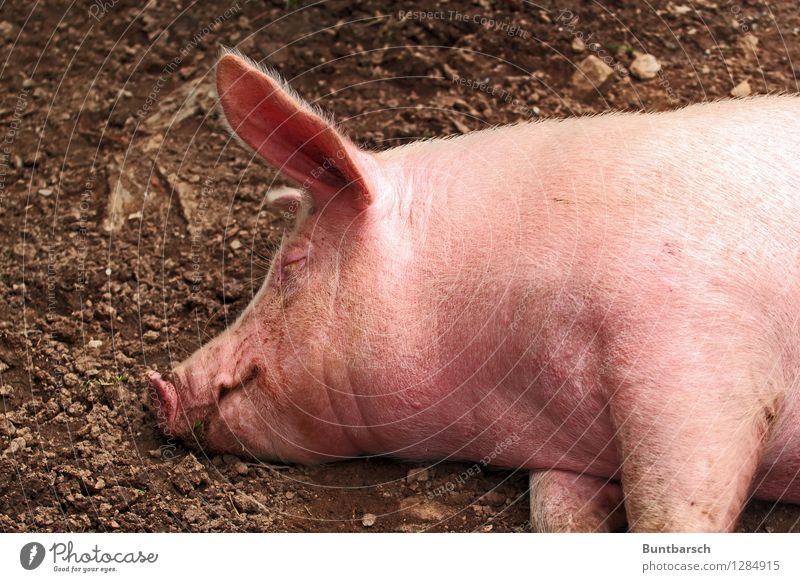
x,y
192,394
164,400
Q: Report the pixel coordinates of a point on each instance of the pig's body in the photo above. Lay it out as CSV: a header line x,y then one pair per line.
x,y
515,302
613,297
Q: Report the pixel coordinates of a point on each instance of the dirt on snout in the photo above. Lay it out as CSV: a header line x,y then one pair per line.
x,y
134,228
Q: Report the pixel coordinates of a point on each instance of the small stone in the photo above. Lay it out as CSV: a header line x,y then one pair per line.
x,y
289,495
46,192
417,474
3,366
241,468
741,90
114,524
6,390
681,10
100,484
150,336
28,83
6,30
749,44
235,245
592,73
368,520
578,46
94,344
645,67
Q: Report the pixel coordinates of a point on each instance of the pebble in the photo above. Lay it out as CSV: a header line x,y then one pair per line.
x,y
94,344
749,43
6,29
241,468
592,72
645,67
741,90
368,520
417,474
681,10
235,245
578,46
151,336
289,495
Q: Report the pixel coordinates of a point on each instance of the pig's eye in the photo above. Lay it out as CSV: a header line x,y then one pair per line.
x,y
286,275
288,269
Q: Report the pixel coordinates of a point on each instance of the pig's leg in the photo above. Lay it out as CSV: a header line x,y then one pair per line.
x,y
690,437
562,501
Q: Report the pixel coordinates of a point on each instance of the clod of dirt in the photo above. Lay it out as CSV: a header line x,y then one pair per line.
x,y
424,509
247,504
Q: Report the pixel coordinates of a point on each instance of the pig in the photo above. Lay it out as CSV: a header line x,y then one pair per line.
x,y
611,303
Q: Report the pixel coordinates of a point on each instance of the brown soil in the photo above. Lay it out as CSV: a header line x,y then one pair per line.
x,y
134,229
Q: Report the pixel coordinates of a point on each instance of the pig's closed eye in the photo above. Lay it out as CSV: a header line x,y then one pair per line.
x,y
290,267
288,270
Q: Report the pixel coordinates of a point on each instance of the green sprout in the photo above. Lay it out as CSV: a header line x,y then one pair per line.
x,y
614,46
198,430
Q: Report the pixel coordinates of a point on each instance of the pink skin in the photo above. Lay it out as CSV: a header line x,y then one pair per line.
x,y
613,299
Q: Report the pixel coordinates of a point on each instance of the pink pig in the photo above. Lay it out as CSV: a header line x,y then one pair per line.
x,y
610,302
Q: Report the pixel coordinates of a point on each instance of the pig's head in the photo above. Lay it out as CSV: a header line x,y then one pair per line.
x,y
259,388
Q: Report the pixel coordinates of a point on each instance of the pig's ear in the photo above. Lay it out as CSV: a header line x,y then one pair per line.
x,y
290,135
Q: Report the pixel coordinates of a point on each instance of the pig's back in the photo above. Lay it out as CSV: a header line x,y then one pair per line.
x,y
574,222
